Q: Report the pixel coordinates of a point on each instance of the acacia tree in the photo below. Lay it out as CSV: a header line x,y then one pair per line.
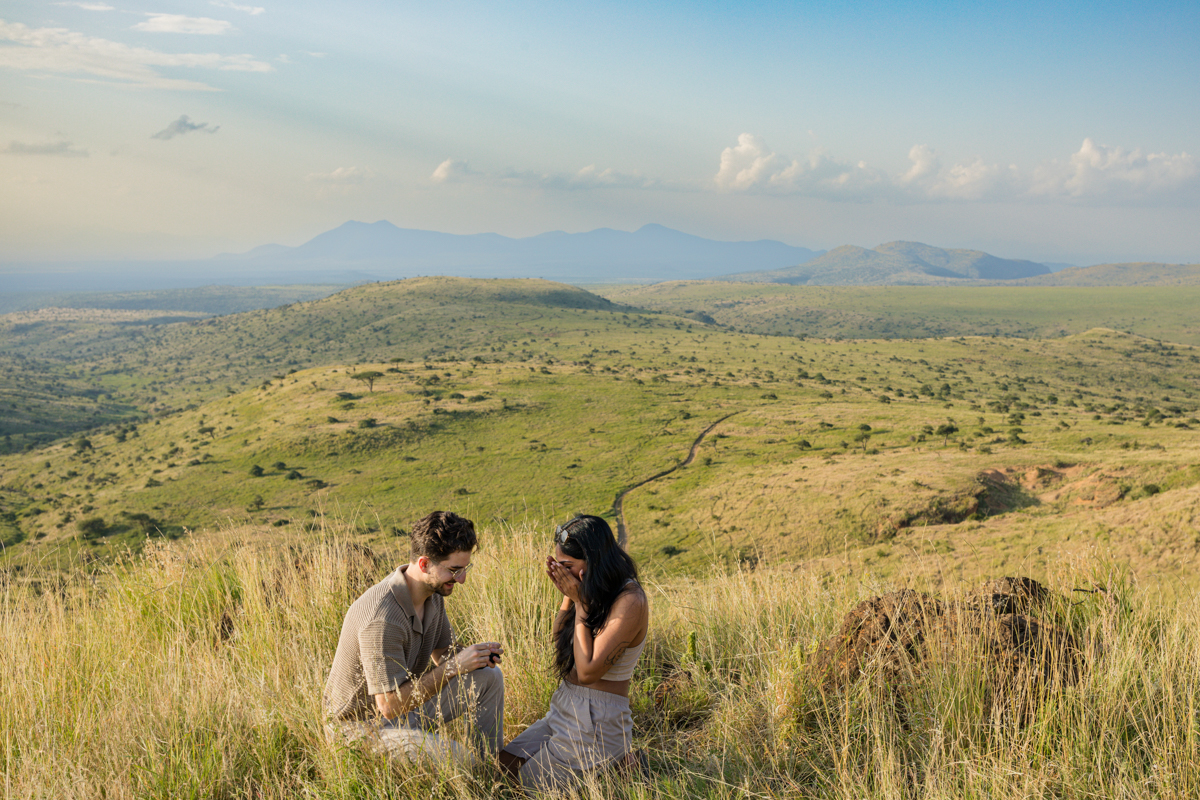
x,y
946,431
368,378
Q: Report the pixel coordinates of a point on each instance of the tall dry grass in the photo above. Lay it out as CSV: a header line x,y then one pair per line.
x,y
196,669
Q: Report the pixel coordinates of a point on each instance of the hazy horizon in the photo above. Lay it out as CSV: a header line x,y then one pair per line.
x,y
134,131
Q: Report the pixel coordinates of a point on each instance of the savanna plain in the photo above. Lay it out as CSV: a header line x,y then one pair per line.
x,y
190,499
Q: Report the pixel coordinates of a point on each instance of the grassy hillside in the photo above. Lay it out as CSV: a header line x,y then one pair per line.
x,y
160,360
203,299
202,669
1136,274
828,451
919,312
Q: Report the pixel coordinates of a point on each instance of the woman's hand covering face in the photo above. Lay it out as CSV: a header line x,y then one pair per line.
x,y
564,580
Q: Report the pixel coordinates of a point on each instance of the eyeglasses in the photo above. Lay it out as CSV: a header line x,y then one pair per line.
x,y
459,571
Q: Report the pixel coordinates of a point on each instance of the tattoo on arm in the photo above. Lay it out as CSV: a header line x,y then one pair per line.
x,y
616,654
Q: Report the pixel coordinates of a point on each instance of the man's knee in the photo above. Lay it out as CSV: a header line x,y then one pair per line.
x,y
488,678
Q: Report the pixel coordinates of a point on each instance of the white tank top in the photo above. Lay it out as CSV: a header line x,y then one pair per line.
x,y
622,670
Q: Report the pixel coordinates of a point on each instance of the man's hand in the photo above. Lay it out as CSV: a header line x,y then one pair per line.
x,y
477,656
412,694
564,581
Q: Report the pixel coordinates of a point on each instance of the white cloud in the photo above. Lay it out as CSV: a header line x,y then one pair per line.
x,y
925,165
452,171
178,23
592,176
589,177
1095,174
341,175
253,11
747,164
46,149
752,166
184,125
1100,172
89,6
57,50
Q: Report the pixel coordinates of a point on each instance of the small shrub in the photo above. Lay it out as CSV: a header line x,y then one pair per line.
x,y
92,527
293,476
369,422
256,471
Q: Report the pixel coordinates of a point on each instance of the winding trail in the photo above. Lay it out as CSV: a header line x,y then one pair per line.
x,y
619,502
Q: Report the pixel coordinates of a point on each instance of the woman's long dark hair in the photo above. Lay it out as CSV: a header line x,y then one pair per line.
x,y
609,568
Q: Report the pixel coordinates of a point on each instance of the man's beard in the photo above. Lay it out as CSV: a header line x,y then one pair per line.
x,y
445,589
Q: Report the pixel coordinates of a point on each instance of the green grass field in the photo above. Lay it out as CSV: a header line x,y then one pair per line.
x,y
556,401
182,505
917,312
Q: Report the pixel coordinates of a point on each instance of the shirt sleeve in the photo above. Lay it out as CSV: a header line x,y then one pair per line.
x,y
381,647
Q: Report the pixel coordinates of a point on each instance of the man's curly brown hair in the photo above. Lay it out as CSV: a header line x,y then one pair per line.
x,y
440,534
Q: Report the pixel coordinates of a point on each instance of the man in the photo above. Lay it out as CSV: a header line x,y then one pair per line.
x,y
381,687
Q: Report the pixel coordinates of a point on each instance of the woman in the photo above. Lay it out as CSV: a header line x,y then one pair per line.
x,y
599,633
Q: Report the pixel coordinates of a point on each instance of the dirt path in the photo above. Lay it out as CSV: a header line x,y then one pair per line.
x,y
619,502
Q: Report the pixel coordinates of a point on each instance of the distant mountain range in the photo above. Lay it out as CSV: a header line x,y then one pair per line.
x,y
652,252
896,263
359,252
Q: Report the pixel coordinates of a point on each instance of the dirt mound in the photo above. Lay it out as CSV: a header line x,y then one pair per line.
x,y
887,632
895,639
1071,484
1010,596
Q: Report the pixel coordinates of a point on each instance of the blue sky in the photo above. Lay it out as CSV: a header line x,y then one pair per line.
x,y
184,128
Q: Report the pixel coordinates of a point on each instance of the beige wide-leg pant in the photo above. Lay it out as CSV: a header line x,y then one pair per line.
x,y
584,729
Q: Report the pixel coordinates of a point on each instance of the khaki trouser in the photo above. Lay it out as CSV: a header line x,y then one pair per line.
x,y
584,729
479,693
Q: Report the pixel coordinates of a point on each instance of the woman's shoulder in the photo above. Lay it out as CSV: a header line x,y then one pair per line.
x,y
632,596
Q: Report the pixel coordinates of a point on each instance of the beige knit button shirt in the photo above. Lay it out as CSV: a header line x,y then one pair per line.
x,y
382,645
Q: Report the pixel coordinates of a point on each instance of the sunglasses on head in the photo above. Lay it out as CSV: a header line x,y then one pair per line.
x,y
563,532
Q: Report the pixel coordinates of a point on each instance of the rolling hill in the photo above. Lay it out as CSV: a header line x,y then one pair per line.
x,y
1136,274
521,400
895,263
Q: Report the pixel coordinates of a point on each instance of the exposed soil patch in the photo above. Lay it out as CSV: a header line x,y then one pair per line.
x,y
1074,485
